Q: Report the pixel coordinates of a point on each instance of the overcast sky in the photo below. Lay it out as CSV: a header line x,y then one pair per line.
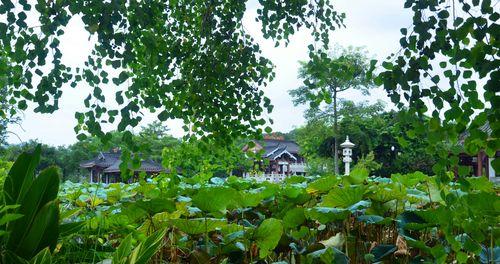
x,y
373,24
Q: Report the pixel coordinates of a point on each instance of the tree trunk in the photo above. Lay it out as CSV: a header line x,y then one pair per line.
x,y
335,132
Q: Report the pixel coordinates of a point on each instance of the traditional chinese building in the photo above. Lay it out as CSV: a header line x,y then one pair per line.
x,y
280,158
480,163
106,167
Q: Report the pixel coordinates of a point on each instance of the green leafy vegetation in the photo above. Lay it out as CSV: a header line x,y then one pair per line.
x,y
329,219
194,61
327,75
379,134
318,219
447,68
191,60
67,158
30,212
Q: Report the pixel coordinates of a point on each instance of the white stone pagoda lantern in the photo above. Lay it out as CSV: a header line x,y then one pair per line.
x,y
347,152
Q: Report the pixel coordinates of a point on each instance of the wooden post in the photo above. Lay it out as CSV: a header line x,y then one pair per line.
x,y
487,169
479,171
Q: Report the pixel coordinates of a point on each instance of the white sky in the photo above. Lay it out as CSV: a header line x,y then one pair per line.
x,y
373,24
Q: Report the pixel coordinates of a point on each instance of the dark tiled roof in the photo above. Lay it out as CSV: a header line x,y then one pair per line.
x,y
146,165
274,147
103,160
276,153
110,162
484,128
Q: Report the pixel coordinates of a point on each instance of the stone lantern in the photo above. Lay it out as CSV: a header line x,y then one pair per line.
x,y
347,152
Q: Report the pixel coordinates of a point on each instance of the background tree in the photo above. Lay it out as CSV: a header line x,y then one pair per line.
x,y
328,74
373,130
51,155
68,158
4,170
155,137
202,160
311,138
449,56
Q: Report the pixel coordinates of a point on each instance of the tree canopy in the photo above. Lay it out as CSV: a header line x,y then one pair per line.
x,y
330,72
191,60
327,74
373,130
448,68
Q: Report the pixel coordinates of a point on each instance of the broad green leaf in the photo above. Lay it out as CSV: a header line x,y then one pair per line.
x,y
329,255
156,205
42,192
387,192
70,228
199,225
439,253
416,196
323,184
21,176
326,214
251,199
267,236
363,204
374,219
358,175
411,220
42,233
343,197
480,183
381,251
216,199
294,217
409,180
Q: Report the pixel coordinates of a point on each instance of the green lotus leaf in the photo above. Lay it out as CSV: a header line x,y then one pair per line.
x,y
294,217
198,225
326,214
329,255
343,197
374,219
381,251
267,236
358,175
323,184
216,199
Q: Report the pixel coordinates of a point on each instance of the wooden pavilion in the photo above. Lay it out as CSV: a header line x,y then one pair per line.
x,y
480,163
106,167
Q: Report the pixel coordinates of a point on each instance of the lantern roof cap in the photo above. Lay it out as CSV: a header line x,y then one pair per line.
x,y
347,143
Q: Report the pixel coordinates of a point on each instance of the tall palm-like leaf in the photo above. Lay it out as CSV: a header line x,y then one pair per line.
x,y
38,228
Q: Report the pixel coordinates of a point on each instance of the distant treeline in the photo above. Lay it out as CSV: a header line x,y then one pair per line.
x,y
68,158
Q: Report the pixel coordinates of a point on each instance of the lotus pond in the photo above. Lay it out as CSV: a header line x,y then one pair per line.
x,y
320,219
